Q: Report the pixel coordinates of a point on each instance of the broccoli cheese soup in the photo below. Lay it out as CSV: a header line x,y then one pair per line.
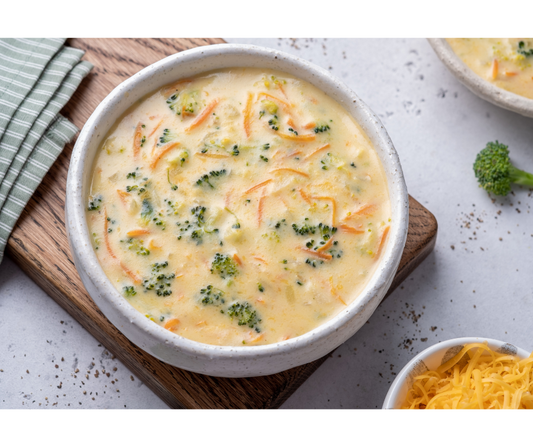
x,y
242,206
506,63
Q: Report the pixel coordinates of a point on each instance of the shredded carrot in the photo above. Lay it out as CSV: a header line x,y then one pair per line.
x,y
320,149
132,275
282,90
260,259
259,185
137,232
348,229
212,155
305,196
285,105
203,115
137,138
172,88
155,128
172,325
237,259
123,195
260,208
510,73
286,337
290,122
167,147
292,154
248,114
295,171
326,256
307,137
340,299
328,244
494,69
382,241
309,125
365,210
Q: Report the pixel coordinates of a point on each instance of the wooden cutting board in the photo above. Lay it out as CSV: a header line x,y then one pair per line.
x,y
39,245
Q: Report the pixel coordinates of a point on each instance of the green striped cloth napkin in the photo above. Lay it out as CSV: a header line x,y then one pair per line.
x,y
37,78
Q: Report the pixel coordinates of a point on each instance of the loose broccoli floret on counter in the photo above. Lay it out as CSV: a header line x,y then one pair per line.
x,y
159,281
495,172
212,295
522,49
224,266
246,314
94,204
205,178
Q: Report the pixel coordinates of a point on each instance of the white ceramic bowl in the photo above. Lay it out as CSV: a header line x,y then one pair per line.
x,y
228,361
434,356
479,86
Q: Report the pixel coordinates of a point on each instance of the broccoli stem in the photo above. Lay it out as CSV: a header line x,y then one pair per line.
x,y
521,177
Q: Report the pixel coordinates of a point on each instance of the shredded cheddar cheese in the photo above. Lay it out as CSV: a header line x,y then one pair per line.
x,y
487,380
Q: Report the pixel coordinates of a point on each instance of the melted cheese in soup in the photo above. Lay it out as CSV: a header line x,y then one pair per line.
x,y
506,63
242,206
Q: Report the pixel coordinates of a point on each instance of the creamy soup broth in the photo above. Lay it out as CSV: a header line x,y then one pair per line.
x,y
242,206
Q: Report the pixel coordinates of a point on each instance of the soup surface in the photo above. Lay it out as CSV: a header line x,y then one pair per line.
x,y
506,63
241,206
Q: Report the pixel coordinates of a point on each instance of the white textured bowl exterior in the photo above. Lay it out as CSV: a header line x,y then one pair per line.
x,y
434,356
479,86
228,361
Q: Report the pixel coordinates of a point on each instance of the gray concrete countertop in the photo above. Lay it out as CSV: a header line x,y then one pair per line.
x,y
477,282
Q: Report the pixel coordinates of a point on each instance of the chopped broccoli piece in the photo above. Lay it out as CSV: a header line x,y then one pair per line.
x,y
522,50
205,178
137,246
246,314
159,281
129,291
235,150
146,210
495,172
224,266
212,295
94,204
166,137
173,187
304,229
321,128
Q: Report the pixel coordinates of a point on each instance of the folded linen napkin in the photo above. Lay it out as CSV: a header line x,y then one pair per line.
x,y
37,78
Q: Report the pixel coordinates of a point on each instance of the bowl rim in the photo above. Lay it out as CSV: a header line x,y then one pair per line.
x,y
476,84
394,390
75,204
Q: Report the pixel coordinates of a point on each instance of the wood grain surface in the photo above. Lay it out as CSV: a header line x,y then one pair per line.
x,y
39,246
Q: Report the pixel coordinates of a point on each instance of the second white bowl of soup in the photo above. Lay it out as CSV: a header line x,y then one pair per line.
x,y
499,70
236,211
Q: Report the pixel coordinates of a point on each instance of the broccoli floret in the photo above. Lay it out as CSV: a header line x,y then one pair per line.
x,y
212,295
129,291
495,172
159,281
94,204
205,178
321,128
224,266
167,136
246,315
522,50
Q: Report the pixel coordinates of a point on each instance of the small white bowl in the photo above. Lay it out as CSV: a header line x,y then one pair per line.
x,y
479,86
434,356
228,361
